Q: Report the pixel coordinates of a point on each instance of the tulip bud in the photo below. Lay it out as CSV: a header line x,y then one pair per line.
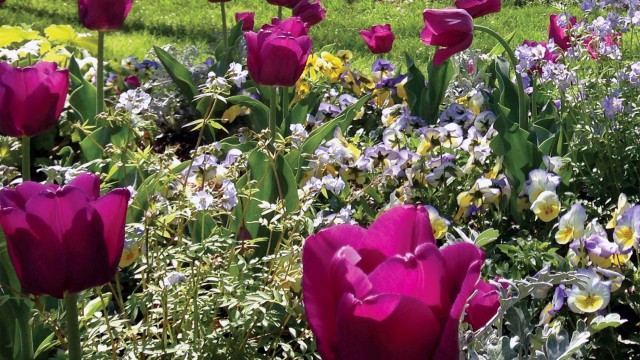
x,y
31,98
63,239
277,55
103,15
379,39
247,19
451,30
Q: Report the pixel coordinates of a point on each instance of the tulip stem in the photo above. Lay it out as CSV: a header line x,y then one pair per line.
x,y
26,337
285,102
223,13
280,12
73,330
273,107
26,158
522,111
100,74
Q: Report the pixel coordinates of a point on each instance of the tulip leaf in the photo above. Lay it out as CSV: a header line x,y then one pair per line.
x,y
83,94
499,49
179,73
259,112
47,344
438,78
415,86
233,38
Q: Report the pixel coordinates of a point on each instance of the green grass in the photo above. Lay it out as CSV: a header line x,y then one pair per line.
x,y
182,22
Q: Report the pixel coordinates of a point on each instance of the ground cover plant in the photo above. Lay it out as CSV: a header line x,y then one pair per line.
x,y
266,195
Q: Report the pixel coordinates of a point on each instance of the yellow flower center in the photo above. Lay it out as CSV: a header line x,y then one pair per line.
x,y
589,303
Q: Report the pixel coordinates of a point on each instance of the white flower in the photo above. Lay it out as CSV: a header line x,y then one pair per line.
x,y
202,200
134,101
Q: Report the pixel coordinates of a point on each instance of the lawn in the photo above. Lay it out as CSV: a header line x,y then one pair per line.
x,y
197,22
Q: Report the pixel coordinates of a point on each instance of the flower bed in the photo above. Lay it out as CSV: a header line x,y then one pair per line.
x,y
271,200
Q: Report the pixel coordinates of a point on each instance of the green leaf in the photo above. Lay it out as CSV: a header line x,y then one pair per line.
x,y
259,112
94,305
600,322
179,73
83,94
499,49
299,112
487,237
439,78
415,86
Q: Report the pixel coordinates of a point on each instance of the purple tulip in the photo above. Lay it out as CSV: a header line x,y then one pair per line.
x,y
286,3
277,54
63,239
31,98
379,39
247,19
450,29
559,33
483,305
310,12
103,15
478,8
387,292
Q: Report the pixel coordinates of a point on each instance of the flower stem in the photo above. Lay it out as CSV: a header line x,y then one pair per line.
x,y
285,101
100,75
73,331
522,111
26,158
280,12
273,113
26,337
223,13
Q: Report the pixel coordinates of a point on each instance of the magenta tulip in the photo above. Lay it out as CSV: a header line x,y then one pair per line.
x,y
132,82
483,305
31,98
63,239
310,12
103,15
387,292
450,29
247,20
559,33
379,39
293,25
286,3
478,8
277,54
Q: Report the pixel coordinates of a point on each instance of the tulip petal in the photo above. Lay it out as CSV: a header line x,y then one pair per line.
x,y
36,253
89,184
387,326
58,209
421,276
112,209
400,230
287,51
321,259
86,249
463,263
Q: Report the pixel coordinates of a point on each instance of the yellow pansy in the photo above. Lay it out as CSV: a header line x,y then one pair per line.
x,y
571,226
547,206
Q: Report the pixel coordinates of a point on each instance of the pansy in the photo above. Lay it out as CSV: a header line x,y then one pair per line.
x,y
627,232
539,181
546,206
571,225
557,302
622,206
589,295
439,225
